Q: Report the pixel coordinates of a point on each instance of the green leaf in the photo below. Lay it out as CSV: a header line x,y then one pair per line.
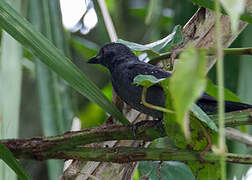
x,y
202,116
169,170
146,80
187,82
11,161
136,175
164,44
204,170
234,8
25,33
212,90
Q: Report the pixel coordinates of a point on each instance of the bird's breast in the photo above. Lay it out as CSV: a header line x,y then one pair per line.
x,y
131,94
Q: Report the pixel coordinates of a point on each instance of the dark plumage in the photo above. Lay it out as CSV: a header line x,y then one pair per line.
x,y
124,65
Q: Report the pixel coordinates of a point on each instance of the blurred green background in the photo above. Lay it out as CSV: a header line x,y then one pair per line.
x,y
48,105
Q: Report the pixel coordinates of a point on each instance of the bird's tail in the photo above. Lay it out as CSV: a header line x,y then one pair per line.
x,y
210,105
236,106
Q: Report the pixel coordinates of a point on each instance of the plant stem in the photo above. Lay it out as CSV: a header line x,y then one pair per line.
x,y
159,108
232,51
220,80
107,20
209,51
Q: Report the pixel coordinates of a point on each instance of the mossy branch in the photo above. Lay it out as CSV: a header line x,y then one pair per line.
x,y
133,154
45,147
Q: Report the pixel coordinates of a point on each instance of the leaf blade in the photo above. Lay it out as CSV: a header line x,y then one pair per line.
x,y
188,82
10,160
23,32
156,47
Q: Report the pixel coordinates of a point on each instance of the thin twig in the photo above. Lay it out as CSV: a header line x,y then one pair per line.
x,y
221,149
209,52
234,134
108,22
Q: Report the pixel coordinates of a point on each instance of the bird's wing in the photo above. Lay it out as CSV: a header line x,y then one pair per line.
x,y
147,69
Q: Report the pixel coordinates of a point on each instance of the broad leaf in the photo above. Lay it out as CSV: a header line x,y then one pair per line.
x,y
156,47
187,82
149,80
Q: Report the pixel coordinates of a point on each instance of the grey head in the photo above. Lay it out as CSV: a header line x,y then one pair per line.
x,y
113,53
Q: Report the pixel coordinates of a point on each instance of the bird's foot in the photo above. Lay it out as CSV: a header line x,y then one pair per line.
x,y
110,120
137,125
153,123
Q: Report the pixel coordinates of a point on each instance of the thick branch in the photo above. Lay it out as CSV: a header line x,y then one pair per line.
x,y
236,118
134,154
146,131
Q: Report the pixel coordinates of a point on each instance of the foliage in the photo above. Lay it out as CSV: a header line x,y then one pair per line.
x,y
9,159
141,24
51,56
157,47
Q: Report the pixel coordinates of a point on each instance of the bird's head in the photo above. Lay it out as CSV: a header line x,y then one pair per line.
x,y
111,54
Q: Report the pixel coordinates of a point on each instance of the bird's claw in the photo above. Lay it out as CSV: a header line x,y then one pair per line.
x,y
137,125
156,123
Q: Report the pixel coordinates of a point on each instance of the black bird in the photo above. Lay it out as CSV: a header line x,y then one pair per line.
x,y
124,65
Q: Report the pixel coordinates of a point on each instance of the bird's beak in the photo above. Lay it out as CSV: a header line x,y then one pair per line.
x,y
94,60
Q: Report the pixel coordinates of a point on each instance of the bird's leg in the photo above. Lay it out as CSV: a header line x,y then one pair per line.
x,y
110,120
137,125
160,125
156,123
172,60
164,62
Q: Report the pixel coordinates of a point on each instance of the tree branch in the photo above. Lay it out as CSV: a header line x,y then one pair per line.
x,y
236,135
146,131
236,118
133,154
